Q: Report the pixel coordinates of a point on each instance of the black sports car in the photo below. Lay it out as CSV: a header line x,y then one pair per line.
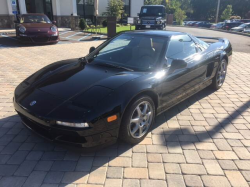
x,y
119,88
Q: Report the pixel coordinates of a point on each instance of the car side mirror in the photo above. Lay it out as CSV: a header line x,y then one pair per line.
x,y
91,49
54,22
177,64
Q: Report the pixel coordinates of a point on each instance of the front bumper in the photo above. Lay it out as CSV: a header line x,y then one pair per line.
x,y
76,137
39,39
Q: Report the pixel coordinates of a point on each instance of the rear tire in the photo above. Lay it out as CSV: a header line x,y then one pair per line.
x,y
220,75
137,120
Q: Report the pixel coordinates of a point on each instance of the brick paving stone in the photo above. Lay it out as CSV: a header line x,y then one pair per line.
x,y
188,138
53,177
139,160
157,149
34,155
227,165
73,156
193,180
4,158
115,172
136,173
206,154
84,164
222,145
7,170
205,146
113,183
97,175
49,185
192,156
212,167
171,168
131,183
12,181
153,183
193,169
245,134
155,158
100,161
173,158
175,180
63,166
156,171
18,157
236,179
243,164
75,177
233,136
246,175
43,165
25,168
158,139
35,179
246,142
139,149
215,181
11,148
242,153
235,143
225,155
53,156
120,162
174,147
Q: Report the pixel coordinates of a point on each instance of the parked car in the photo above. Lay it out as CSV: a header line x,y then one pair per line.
x,y
203,24
245,20
241,27
192,23
111,94
247,29
217,26
36,28
152,17
228,26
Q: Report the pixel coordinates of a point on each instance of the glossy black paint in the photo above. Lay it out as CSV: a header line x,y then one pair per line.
x,y
72,91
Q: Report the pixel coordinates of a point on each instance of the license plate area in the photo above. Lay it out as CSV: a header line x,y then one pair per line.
x,y
148,26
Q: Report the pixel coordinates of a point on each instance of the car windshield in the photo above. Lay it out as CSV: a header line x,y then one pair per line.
x,y
133,51
34,19
151,11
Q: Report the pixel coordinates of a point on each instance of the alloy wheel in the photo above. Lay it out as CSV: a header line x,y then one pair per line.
x,y
221,74
141,119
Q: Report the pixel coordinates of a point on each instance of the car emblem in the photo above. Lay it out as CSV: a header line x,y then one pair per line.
x,y
32,103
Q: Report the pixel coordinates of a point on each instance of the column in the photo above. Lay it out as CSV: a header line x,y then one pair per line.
x,y
74,7
9,7
22,6
56,7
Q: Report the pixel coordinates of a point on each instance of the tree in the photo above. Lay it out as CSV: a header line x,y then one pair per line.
x,y
153,2
115,8
227,13
172,6
180,15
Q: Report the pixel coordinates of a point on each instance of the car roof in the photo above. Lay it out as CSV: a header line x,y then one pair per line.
x,y
34,14
153,5
167,34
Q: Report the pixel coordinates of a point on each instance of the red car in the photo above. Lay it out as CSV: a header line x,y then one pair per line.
x,y
36,28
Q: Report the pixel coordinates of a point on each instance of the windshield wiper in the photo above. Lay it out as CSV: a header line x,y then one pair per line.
x,y
116,66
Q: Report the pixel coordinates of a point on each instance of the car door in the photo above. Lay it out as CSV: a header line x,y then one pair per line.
x,y
177,84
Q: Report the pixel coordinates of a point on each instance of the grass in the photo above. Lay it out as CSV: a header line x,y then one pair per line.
x,y
118,29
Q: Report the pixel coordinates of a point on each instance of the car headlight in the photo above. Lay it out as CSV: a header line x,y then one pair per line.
x,y
76,125
22,29
53,28
158,22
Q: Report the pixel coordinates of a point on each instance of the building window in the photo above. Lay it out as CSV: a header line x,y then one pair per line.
x,y
40,6
86,10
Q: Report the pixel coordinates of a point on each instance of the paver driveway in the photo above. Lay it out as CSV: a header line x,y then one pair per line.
x,y
204,141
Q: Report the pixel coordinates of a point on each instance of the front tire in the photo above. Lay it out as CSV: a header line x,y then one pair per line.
x,y
137,120
220,75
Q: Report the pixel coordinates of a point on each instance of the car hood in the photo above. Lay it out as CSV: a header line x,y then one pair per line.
x,y
237,28
37,25
69,78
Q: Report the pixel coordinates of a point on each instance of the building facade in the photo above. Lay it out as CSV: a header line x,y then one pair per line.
x,y
61,11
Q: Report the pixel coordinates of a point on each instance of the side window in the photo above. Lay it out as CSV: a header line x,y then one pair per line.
x,y
180,47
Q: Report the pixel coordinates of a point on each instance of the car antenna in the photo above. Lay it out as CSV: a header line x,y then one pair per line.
x,y
83,61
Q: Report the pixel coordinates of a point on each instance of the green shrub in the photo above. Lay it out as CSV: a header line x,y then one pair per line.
x,y
82,24
104,23
118,25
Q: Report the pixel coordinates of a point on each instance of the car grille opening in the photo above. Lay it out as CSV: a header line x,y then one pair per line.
x,y
40,39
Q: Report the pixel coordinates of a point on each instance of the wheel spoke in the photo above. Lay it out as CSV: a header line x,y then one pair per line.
x,y
145,109
135,129
140,130
135,120
139,111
